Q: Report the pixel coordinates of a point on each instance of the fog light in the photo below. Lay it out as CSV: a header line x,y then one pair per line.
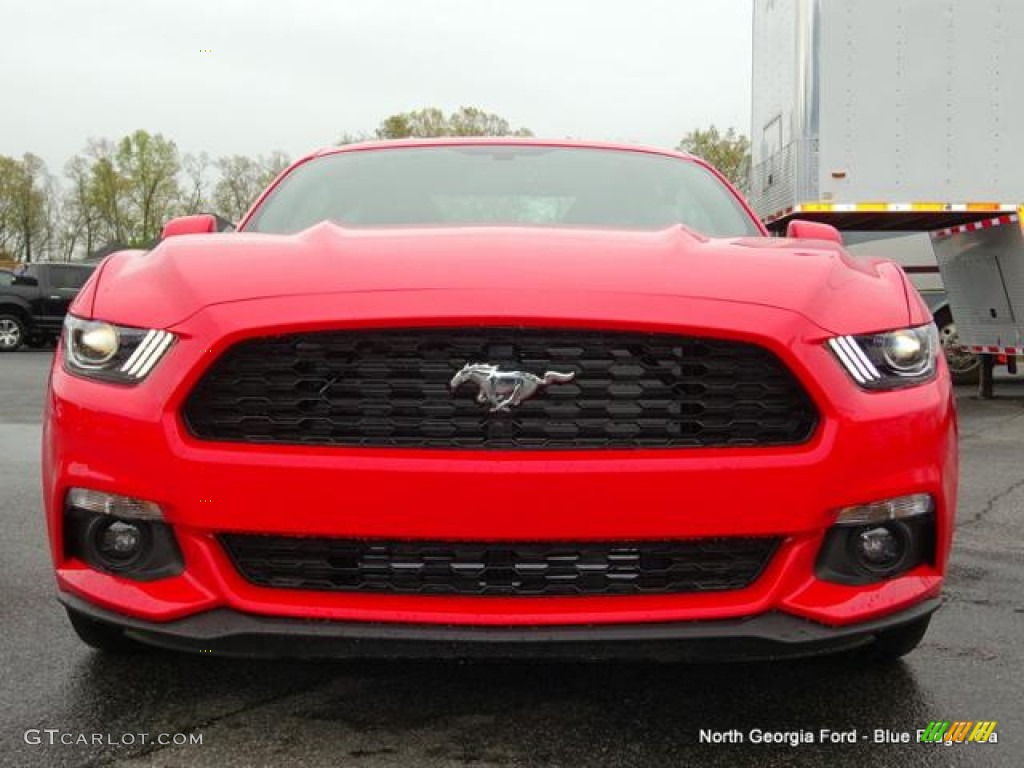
x,y
882,540
880,549
120,541
142,550
119,544
114,505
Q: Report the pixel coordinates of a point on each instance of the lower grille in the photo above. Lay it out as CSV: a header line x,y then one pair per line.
x,y
499,568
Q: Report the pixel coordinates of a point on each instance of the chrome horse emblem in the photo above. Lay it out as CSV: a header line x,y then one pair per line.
x,y
504,390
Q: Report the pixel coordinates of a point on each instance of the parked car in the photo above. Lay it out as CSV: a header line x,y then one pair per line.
x,y
497,397
34,299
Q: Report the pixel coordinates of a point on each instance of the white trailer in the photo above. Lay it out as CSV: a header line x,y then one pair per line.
x,y
890,119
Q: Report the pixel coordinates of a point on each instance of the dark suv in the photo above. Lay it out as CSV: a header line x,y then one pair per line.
x,y
34,299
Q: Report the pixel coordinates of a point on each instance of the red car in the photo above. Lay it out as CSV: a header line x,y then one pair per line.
x,y
497,397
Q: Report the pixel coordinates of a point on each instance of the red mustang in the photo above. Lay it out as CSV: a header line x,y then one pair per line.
x,y
498,397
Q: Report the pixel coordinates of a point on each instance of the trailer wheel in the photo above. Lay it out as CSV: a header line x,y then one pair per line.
x,y
964,365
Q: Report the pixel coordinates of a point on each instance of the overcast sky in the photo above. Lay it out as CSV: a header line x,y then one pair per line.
x,y
296,74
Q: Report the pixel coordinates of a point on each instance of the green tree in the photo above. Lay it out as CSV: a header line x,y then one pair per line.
x,y
431,121
149,166
122,192
106,194
26,208
728,152
8,175
242,179
80,222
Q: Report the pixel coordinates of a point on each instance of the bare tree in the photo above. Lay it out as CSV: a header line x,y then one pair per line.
x,y
242,179
195,198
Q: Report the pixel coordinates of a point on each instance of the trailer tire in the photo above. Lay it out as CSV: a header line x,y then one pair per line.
x,y
964,365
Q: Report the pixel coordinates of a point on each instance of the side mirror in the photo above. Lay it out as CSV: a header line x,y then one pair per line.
x,y
813,230
200,224
27,280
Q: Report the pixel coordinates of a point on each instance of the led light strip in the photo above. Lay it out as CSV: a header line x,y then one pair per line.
x,y
147,354
854,360
140,350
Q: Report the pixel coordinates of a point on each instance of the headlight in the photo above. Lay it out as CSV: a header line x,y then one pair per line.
x,y
889,360
98,350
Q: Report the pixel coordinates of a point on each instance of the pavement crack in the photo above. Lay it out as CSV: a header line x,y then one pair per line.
x,y
150,749
1003,424
979,654
991,502
983,602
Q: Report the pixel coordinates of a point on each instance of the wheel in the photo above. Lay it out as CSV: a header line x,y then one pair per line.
x,y
964,365
893,644
12,333
101,636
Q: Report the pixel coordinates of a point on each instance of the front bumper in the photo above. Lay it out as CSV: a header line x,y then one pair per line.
x,y
868,446
769,636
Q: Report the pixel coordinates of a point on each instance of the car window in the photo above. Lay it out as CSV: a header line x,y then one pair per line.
x,y
72,277
28,270
503,185
6,277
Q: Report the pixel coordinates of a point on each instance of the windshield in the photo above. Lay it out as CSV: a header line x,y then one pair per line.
x,y
502,185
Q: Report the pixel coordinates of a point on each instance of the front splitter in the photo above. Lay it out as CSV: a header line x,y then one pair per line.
x,y
766,636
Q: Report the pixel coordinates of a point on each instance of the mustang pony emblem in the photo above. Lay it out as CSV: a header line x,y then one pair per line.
x,y
505,389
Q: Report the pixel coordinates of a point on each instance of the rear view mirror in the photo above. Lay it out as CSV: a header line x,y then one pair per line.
x,y
813,230
199,224
28,280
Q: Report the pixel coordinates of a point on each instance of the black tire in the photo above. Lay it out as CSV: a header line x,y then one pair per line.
x,y
964,366
893,644
12,333
101,636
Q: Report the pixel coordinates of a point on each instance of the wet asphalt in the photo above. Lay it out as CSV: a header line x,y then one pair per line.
x,y
970,667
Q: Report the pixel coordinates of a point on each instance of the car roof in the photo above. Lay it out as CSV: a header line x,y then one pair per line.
x,y
450,141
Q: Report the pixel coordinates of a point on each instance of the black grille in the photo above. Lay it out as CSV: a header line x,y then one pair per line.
x,y
390,388
477,568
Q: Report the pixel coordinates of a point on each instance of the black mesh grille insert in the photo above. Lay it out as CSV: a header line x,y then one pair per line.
x,y
489,568
390,388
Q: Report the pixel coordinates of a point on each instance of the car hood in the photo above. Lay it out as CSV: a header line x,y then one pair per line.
x,y
837,291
